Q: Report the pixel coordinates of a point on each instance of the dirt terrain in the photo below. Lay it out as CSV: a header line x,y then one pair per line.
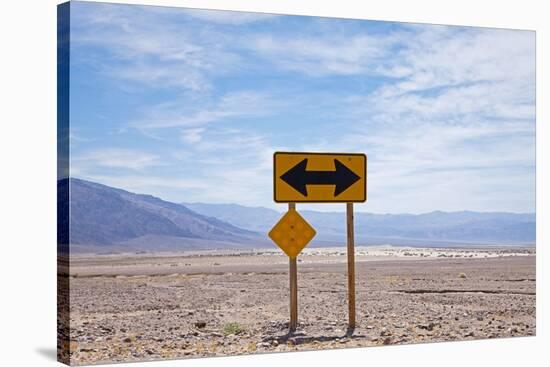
x,y
145,307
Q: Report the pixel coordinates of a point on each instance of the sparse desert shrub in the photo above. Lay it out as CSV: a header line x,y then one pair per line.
x,y
462,276
233,328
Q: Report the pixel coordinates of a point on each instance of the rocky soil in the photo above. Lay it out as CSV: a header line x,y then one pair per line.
x,y
215,305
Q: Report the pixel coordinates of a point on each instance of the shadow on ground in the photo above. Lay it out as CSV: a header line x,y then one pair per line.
x,y
298,337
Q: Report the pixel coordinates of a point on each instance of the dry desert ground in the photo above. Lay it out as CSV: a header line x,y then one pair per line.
x,y
129,307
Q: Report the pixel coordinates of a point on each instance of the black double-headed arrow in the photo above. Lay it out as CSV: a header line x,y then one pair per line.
x,y
297,177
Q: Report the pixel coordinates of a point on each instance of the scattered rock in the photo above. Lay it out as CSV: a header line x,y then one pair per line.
x,y
263,345
428,327
200,324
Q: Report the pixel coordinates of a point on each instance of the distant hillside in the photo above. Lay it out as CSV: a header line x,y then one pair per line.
x,y
257,219
103,218
435,228
106,219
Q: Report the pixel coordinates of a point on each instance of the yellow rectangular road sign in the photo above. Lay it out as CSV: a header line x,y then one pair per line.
x,y
319,177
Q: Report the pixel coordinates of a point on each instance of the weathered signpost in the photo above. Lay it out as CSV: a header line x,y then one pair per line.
x,y
316,178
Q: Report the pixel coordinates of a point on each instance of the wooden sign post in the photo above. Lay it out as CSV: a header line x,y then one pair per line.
x,y
351,266
293,271
316,178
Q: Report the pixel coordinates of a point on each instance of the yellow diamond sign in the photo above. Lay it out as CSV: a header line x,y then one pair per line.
x,y
292,233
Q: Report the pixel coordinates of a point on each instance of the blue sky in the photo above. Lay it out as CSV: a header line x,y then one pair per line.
x,y
189,105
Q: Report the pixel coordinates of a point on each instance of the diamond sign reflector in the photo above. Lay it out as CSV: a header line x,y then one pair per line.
x,y
292,233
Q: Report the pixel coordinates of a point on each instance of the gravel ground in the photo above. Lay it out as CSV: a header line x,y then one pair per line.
x,y
226,305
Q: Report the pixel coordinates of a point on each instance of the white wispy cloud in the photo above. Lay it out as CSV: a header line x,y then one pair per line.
x,y
228,17
330,55
174,114
234,163
115,158
192,135
246,178
148,47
